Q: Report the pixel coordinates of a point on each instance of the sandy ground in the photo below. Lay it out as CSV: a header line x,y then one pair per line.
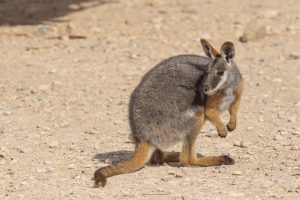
x,y
67,69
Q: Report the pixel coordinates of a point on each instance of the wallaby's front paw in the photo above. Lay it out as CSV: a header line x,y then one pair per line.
x,y
231,126
222,133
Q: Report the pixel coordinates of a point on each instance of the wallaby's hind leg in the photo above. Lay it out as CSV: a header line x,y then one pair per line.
x,y
202,161
141,156
189,156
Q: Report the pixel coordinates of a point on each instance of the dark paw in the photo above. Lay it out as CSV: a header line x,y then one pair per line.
x,y
222,133
227,160
100,179
231,126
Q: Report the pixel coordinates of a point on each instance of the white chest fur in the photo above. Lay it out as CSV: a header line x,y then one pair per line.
x,y
227,99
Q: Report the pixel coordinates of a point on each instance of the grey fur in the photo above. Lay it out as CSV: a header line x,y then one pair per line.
x,y
163,106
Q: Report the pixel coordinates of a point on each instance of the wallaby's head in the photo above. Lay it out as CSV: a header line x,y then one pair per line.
x,y
220,66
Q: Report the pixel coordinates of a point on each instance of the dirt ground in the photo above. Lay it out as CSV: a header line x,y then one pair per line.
x,y
67,69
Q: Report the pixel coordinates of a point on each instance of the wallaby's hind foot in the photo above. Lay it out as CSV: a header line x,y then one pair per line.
x,y
212,161
141,156
160,157
100,179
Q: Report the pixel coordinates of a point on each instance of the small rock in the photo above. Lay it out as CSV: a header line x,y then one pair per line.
x,y
41,170
44,87
56,84
222,169
14,161
45,128
249,128
53,144
291,28
176,174
237,173
72,147
41,30
21,150
23,183
3,152
261,119
64,124
296,132
242,143
275,195
108,161
236,143
261,135
52,71
94,131
71,166
294,57
7,113
254,31
76,177
295,148
245,144
269,13
47,162
292,118
4,128
50,169
74,7
211,134
278,137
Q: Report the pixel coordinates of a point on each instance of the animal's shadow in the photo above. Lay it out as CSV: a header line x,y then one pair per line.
x,y
114,156
32,12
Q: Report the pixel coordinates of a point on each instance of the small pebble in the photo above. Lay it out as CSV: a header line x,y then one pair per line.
x,y
249,128
278,137
41,170
53,144
23,183
108,161
242,144
222,169
44,87
269,13
294,57
71,166
237,173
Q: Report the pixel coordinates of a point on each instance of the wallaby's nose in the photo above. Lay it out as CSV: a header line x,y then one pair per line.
x,y
205,88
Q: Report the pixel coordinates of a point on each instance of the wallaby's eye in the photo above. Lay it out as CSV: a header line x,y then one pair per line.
x,y
220,73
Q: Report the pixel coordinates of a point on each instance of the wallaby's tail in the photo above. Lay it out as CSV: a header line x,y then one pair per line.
x,y
142,154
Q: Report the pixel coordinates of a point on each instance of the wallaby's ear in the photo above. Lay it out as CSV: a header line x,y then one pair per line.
x,y
208,49
227,51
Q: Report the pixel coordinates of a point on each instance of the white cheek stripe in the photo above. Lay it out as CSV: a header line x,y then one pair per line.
x,y
223,80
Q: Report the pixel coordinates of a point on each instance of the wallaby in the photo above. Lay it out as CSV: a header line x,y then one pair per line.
x,y
171,104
